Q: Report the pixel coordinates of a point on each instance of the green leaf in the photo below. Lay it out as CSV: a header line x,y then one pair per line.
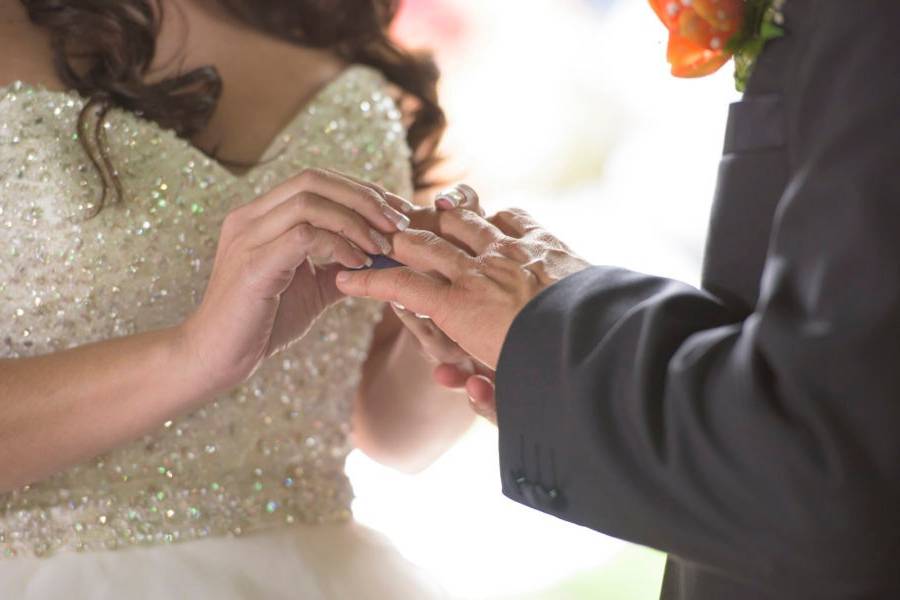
x,y
759,28
770,31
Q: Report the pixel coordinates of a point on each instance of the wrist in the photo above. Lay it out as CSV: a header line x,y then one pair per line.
x,y
190,365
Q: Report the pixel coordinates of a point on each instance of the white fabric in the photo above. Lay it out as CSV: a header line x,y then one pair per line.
x,y
309,562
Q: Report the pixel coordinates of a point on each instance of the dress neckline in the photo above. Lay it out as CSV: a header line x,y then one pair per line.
x,y
321,95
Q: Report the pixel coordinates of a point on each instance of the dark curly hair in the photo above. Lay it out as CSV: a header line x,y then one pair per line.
x,y
104,49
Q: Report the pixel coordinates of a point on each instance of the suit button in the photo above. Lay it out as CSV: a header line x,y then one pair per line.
x,y
527,490
548,497
537,495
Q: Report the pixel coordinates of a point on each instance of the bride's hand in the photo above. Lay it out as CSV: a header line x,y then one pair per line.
x,y
265,291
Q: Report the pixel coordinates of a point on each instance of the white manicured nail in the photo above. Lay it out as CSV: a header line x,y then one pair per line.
x,y
383,244
367,262
398,219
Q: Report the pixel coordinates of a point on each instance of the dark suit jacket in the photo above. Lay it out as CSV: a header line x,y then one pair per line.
x,y
750,429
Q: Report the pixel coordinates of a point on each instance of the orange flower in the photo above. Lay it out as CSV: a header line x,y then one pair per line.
x,y
699,32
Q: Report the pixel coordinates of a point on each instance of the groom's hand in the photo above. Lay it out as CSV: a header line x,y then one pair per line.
x,y
473,286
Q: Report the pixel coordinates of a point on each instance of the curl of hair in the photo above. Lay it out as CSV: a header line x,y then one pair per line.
x,y
104,51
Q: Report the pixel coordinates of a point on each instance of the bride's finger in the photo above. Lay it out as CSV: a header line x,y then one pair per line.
x,y
469,229
268,264
292,248
327,247
395,201
359,198
307,207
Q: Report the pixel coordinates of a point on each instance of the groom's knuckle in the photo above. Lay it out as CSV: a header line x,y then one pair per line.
x,y
484,263
509,247
555,255
548,240
418,237
502,244
504,215
466,217
519,214
456,215
431,241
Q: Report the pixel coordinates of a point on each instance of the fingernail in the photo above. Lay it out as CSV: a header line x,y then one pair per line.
x,y
380,241
367,262
398,219
418,316
342,277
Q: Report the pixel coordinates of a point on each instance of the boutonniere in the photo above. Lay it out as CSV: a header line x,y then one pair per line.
x,y
706,34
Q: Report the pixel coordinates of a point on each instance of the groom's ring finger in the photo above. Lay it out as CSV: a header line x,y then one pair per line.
x,y
469,229
320,212
428,252
514,222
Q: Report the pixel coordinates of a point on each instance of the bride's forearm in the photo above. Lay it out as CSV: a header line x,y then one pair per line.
x,y
402,418
61,409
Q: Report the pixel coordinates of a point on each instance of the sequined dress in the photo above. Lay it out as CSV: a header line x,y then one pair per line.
x,y
247,497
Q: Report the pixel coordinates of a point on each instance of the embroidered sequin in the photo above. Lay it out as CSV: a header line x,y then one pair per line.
x,y
271,451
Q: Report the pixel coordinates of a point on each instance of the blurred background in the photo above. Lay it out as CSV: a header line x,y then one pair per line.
x,y
565,108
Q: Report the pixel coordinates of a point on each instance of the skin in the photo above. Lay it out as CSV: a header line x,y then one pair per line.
x,y
471,276
53,417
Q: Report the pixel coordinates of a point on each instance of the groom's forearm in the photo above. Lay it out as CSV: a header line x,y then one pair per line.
x,y
643,409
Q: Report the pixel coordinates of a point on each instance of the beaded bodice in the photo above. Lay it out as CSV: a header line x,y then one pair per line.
x,y
271,451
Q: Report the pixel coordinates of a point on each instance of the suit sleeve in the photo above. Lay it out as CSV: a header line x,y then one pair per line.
x,y
765,445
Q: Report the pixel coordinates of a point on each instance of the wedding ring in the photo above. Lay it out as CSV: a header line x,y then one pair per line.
x,y
460,194
471,196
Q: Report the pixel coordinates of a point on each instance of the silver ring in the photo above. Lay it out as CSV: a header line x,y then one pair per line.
x,y
458,195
